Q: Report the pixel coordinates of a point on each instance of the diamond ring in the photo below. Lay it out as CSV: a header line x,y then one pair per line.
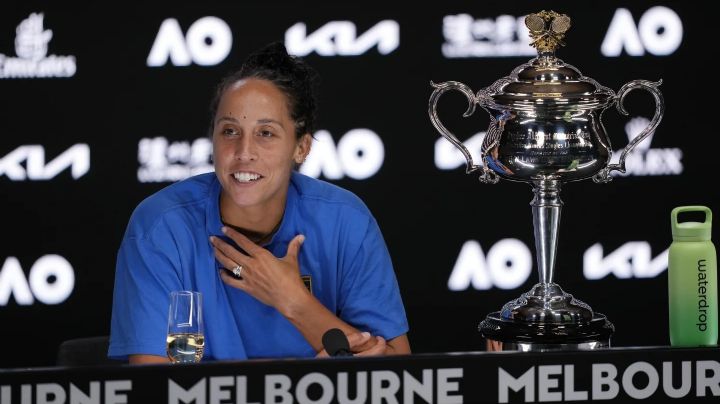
x,y
237,271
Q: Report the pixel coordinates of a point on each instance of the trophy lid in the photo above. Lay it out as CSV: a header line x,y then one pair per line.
x,y
546,79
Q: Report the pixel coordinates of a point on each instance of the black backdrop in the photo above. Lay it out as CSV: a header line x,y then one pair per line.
x,y
114,120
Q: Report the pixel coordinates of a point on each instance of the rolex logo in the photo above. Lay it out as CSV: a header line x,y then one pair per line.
x,y
646,160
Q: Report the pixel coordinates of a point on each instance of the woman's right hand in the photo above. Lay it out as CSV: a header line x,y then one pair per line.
x,y
273,281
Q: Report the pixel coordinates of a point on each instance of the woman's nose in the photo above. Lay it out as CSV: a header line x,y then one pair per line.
x,y
245,148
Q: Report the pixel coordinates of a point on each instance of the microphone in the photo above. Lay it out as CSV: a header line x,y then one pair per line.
x,y
336,343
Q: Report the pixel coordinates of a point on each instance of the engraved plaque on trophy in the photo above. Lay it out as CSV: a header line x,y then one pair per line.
x,y
546,130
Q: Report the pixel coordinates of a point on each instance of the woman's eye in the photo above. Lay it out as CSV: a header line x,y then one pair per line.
x,y
266,133
229,131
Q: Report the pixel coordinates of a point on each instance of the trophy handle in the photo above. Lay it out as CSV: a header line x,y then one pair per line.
x,y
652,88
487,175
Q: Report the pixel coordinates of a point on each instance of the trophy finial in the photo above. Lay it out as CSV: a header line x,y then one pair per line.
x,y
547,29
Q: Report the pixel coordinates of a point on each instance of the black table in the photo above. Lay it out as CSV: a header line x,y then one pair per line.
x,y
654,374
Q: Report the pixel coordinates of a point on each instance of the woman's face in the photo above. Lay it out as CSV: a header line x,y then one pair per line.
x,y
254,144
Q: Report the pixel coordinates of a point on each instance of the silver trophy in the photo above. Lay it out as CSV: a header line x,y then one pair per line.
x,y
546,129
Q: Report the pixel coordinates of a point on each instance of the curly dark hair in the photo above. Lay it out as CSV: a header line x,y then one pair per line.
x,y
292,75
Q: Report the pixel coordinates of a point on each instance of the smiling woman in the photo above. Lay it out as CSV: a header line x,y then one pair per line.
x,y
280,258
255,149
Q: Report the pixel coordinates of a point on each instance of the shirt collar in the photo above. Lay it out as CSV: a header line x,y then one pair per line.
x,y
212,210
213,222
286,229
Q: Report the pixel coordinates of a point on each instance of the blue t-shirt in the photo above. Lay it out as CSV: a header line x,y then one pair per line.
x,y
166,247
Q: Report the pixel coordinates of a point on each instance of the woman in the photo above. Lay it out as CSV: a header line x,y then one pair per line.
x,y
279,257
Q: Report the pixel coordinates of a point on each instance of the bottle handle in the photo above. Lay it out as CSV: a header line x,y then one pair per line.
x,y
697,208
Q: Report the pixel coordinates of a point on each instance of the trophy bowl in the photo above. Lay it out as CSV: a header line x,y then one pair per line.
x,y
546,129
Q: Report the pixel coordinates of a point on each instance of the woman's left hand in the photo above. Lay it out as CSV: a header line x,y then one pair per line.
x,y
274,281
362,344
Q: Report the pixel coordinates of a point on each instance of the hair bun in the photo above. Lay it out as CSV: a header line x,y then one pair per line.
x,y
273,56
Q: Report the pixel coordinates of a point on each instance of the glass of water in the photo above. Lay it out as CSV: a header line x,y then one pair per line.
x,y
185,336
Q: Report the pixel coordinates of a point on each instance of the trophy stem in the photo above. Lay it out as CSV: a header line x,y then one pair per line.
x,y
546,209
546,318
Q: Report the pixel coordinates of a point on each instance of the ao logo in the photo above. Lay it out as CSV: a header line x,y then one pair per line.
x,y
77,158
359,154
659,31
507,265
208,42
51,281
339,38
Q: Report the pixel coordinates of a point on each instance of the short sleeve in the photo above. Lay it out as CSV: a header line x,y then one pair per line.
x,y
369,294
147,270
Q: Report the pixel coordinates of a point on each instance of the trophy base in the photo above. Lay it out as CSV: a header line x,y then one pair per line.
x,y
503,335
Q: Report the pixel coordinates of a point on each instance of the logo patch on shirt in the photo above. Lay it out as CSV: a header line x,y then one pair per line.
x,y
307,280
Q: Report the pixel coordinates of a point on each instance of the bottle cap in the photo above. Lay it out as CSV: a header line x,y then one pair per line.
x,y
691,231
